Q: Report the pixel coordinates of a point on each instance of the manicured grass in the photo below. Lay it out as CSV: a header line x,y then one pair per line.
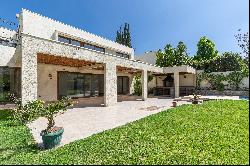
x,y
216,132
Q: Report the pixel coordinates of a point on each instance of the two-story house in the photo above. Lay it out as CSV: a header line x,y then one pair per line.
x,y
49,59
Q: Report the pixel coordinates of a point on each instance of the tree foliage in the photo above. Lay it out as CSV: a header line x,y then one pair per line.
x,y
123,36
205,49
172,56
228,61
243,43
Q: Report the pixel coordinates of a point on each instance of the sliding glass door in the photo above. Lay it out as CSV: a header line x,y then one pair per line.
x,y
77,85
122,85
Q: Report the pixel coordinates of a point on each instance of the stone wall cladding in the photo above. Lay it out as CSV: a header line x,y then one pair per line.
x,y
56,48
144,82
110,84
32,45
28,71
44,27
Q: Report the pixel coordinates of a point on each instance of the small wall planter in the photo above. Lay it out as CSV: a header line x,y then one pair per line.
x,y
51,140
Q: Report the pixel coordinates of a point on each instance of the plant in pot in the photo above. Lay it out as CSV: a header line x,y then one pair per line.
x,y
195,99
32,110
52,135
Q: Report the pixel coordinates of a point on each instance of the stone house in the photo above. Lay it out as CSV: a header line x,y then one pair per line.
x,y
47,59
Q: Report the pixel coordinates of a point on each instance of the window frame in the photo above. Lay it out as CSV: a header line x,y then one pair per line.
x,y
81,44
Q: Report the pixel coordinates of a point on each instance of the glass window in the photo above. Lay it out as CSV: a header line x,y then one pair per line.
x,y
89,46
63,39
80,85
99,49
76,43
122,85
119,54
10,83
122,55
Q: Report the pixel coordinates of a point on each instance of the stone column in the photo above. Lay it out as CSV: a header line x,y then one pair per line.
x,y
110,84
176,84
28,73
131,84
144,83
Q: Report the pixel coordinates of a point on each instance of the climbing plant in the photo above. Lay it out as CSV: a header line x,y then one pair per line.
x,y
235,78
137,84
216,81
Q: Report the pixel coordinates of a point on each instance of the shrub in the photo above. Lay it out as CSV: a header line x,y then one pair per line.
x,y
235,78
216,81
137,84
34,109
28,112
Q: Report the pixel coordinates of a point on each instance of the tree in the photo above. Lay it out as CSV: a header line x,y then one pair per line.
x,y
181,56
165,58
228,61
123,36
206,49
243,43
172,56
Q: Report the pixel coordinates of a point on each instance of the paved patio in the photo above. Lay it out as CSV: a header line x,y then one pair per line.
x,y
79,123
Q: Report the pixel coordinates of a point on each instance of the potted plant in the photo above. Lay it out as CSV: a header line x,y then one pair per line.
x,y
195,99
32,110
52,135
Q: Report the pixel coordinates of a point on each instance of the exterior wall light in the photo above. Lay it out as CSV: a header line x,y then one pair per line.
x,y
50,76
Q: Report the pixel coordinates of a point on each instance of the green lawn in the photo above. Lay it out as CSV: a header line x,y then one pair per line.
x,y
216,132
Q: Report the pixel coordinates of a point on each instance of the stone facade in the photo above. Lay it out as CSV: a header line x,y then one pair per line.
x,y
39,35
32,45
110,84
40,26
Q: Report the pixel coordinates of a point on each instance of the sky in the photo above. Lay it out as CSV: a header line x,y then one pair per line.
x,y
153,23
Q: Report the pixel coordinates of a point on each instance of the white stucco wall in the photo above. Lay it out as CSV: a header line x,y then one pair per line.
x,y
7,53
205,83
188,81
44,27
152,83
245,83
7,33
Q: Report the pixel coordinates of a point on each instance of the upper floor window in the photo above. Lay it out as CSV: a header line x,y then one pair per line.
x,y
89,46
122,55
78,43
99,49
63,39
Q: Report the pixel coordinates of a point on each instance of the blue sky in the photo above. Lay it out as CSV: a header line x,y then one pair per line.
x,y
153,23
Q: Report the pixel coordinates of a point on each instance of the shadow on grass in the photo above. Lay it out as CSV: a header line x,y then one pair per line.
x,y
9,152
13,141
